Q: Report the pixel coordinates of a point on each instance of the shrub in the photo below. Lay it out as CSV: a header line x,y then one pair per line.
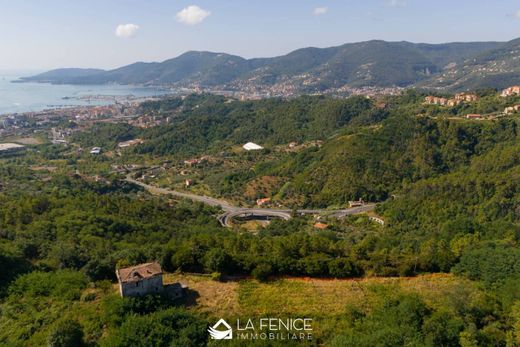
x,y
262,272
66,333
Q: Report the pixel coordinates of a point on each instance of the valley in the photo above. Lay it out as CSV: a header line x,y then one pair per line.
x,y
259,173
347,210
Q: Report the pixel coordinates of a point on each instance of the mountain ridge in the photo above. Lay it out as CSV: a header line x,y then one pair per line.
x,y
374,63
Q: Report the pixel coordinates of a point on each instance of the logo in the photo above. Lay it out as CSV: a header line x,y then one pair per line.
x,y
264,328
221,334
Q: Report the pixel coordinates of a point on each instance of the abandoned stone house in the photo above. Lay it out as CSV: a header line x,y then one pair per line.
x,y
140,280
144,279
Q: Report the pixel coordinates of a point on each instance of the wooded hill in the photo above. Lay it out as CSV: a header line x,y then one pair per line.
x,y
451,192
371,63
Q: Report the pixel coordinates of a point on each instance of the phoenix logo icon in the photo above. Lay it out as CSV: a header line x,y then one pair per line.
x,y
217,334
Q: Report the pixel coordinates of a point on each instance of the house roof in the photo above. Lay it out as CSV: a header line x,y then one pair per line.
x,y
7,146
320,225
250,146
263,200
139,272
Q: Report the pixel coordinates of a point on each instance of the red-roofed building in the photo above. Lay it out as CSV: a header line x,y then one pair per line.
x,y
514,90
321,226
263,202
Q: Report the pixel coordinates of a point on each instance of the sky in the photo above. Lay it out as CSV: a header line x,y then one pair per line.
x,y
46,34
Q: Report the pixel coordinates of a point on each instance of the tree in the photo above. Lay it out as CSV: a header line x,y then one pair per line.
x,y
262,272
164,328
443,329
217,260
342,267
66,333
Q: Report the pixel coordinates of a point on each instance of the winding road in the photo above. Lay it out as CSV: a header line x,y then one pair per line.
x,y
231,211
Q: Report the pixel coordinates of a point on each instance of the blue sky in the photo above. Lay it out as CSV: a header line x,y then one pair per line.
x,y
44,34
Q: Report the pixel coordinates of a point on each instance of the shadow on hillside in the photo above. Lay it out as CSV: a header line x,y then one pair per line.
x,y
189,297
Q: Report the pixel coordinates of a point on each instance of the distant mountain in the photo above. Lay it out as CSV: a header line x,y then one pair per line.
x,y
372,63
498,67
55,76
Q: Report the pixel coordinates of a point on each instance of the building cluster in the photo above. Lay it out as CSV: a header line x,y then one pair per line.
x,y
456,100
147,121
60,135
512,109
12,121
513,90
196,161
12,125
97,112
89,113
254,89
369,91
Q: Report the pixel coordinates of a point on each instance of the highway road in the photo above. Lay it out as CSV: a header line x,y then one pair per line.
x,y
231,211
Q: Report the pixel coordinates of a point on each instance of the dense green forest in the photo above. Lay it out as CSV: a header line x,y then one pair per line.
x,y
206,123
448,190
53,252
369,151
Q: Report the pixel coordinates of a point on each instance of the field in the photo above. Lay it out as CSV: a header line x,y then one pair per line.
x,y
326,301
25,140
309,296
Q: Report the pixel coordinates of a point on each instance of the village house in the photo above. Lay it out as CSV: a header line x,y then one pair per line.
x,y
140,280
453,102
434,100
7,147
356,203
145,279
250,146
514,90
456,100
512,109
321,226
377,220
263,202
466,97
191,162
129,143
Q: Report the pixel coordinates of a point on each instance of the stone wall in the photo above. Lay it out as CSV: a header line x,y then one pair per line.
x,y
146,286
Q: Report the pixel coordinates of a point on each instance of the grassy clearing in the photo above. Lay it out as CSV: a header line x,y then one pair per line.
x,y
310,296
327,302
26,140
209,296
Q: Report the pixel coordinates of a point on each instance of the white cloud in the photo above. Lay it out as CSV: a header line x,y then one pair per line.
x,y
318,11
517,14
396,3
126,30
192,15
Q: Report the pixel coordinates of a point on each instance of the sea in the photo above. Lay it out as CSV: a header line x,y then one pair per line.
x,y
27,97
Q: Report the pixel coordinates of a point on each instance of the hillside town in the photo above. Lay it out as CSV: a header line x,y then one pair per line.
x,y
469,98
